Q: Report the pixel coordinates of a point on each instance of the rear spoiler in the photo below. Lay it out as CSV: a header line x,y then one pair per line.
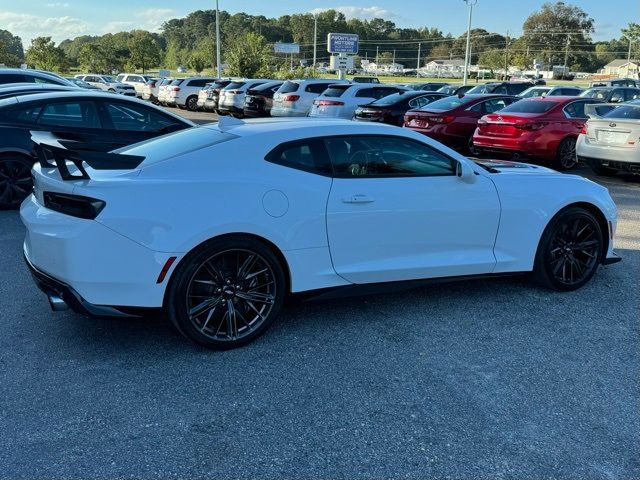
x,y
597,110
52,152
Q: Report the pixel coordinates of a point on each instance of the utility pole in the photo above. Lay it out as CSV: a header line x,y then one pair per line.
x,y
629,54
315,39
506,57
377,66
418,63
471,3
219,70
394,57
566,52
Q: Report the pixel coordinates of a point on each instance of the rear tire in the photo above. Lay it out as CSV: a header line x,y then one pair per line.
x,y
226,293
15,180
569,251
566,158
192,104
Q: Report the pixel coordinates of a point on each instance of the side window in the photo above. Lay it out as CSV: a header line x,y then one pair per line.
x,y
23,115
495,104
374,156
501,90
306,155
44,80
383,92
11,78
197,83
316,87
478,108
630,94
70,114
617,95
137,118
575,110
366,93
418,102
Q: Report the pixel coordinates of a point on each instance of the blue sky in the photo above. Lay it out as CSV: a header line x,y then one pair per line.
x,y
68,18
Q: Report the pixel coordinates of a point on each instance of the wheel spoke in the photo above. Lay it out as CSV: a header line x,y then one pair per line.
x,y
256,297
204,306
232,326
245,267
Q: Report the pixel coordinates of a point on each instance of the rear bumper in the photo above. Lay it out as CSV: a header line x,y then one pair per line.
x,y
231,109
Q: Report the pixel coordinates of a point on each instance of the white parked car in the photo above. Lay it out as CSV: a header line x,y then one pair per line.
x,y
135,80
185,94
152,88
230,218
231,99
164,87
295,97
342,100
609,142
108,84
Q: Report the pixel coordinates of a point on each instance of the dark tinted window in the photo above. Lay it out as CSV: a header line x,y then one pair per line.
x,y
575,110
335,91
306,155
375,156
600,93
448,103
631,94
177,82
137,118
11,78
201,82
390,99
486,88
22,114
624,111
70,114
316,87
529,106
289,87
234,85
495,104
516,88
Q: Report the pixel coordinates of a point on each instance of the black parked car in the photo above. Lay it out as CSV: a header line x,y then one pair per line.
x,y
211,104
259,99
18,89
427,86
501,88
391,109
91,121
455,89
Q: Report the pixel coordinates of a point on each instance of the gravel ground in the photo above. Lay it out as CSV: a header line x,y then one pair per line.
x,y
486,379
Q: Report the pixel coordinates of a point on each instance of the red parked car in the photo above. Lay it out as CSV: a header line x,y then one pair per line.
x,y
452,120
544,128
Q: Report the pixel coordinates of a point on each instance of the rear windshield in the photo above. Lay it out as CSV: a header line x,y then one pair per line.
x,y
108,78
234,85
486,88
177,81
632,113
447,103
593,93
289,87
529,106
335,90
391,99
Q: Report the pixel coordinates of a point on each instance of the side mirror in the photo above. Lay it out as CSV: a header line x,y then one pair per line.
x,y
465,172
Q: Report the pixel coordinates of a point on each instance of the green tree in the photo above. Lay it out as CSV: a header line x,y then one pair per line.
x,y
43,53
12,45
248,55
492,59
7,58
631,35
203,55
145,51
91,58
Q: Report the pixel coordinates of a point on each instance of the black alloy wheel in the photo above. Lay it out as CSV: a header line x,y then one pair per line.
x,y
570,250
192,104
15,181
566,154
227,294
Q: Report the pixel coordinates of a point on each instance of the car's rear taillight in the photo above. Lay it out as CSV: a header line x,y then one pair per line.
x,y
445,119
583,130
73,205
327,103
291,98
529,125
176,89
153,85
235,92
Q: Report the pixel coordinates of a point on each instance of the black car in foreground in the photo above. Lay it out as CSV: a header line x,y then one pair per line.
x,y
259,99
96,121
391,109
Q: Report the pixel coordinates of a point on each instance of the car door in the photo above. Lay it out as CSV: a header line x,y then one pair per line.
x,y
127,123
398,211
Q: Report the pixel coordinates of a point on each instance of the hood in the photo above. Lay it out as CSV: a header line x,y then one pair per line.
x,y
505,166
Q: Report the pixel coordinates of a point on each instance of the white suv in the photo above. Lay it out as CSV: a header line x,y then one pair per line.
x,y
295,97
185,95
341,101
136,81
108,84
231,99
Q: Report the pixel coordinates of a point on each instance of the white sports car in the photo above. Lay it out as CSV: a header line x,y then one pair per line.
x,y
215,225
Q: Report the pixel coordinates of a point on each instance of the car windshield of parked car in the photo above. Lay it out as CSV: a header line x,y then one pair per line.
x,y
391,99
596,93
532,106
486,88
176,82
624,111
534,92
234,85
289,87
335,90
447,103
108,78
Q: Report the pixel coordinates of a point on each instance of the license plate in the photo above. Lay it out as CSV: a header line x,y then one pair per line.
x,y
419,123
608,136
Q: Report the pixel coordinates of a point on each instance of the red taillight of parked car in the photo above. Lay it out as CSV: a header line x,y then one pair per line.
x,y
291,98
445,119
175,89
328,103
529,125
583,130
234,92
153,85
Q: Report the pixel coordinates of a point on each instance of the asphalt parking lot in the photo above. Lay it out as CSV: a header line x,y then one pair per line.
x,y
489,379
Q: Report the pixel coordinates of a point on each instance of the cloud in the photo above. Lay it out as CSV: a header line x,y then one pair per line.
x,y
29,26
58,5
363,13
153,18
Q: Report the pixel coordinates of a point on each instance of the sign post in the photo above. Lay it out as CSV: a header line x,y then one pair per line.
x,y
345,45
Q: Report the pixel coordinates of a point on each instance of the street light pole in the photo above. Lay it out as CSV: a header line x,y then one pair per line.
x,y
467,60
218,40
315,39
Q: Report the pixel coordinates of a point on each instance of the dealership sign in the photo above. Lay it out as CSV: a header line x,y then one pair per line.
x,y
286,48
342,43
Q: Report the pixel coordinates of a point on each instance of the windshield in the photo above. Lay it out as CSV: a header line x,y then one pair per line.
x,y
624,111
447,103
529,106
335,91
486,88
595,93
391,99
289,87
177,82
234,85
108,78
534,92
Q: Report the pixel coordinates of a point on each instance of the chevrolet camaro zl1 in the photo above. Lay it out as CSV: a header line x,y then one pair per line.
x,y
215,225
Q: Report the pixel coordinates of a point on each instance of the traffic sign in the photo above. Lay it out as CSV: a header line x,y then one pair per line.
x,y
342,43
286,48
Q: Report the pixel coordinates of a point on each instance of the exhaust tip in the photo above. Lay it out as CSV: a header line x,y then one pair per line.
x,y
57,304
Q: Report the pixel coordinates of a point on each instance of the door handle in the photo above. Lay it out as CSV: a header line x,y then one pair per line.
x,y
359,198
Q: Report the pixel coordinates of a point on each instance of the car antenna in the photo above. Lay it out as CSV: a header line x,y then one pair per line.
x,y
227,123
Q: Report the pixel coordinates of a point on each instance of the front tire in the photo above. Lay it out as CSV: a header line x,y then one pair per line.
x,y
570,250
15,180
192,104
226,293
566,154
